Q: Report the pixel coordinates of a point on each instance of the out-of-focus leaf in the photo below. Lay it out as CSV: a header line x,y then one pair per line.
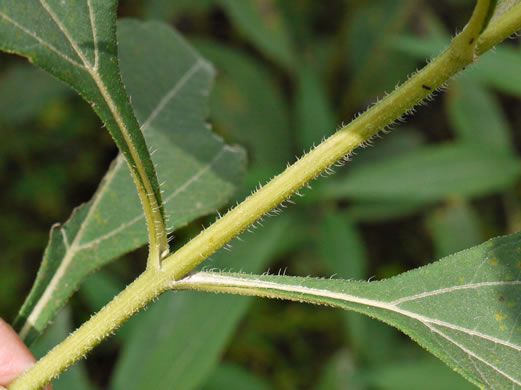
x,y
428,174
397,143
183,335
261,23
454,227
228,376
412,375
75,377
169,83
167,9
298,17
16,105
498,69
314,116
374,67
339,373
464,309
401,141
375,211
247,106
341,247
477,117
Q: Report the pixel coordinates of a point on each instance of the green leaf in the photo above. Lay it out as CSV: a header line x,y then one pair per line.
x,y
385,150
341,248
368,28
76,377
464,309
183,335
16,106
169,84
76,42
477,117
261,22
168,10
314,116
428,174
375,211
228,376
412,375
247,106
454,227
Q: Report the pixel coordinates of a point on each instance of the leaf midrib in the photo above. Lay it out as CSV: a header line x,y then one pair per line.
x,y
151,204
213,281
75,246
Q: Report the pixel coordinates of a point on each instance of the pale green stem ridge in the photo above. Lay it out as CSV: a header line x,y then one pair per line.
x,y
153,282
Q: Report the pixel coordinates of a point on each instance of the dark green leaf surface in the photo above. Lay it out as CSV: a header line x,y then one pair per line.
x,y
454,227
167,9
412,375
247,106
16,106
477,117
228,376
169,84
314,116
76,42
374,67
261,22
183,335
426,175
465,309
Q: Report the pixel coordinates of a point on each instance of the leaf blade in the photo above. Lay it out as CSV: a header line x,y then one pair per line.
x,y
198,180
480,339
77,44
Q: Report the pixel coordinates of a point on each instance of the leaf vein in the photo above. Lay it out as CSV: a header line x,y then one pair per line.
x,y
474,355
94,34
65,32
42,42
454,288
172,93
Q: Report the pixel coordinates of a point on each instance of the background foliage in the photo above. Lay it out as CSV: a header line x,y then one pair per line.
x,y
287,74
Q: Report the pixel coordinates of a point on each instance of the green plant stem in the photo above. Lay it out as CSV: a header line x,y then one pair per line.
x,y
153,282
136,296
500,29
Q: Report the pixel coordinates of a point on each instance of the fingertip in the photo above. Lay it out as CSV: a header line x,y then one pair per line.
x,y
15,357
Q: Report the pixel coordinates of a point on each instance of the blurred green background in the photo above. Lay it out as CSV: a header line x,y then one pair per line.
x,y
288,73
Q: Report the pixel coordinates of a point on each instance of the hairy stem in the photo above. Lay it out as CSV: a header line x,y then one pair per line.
x,y
153,282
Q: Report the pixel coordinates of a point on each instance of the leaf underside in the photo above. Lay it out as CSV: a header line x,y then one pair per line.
x,y
77,44
169,83
465,309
